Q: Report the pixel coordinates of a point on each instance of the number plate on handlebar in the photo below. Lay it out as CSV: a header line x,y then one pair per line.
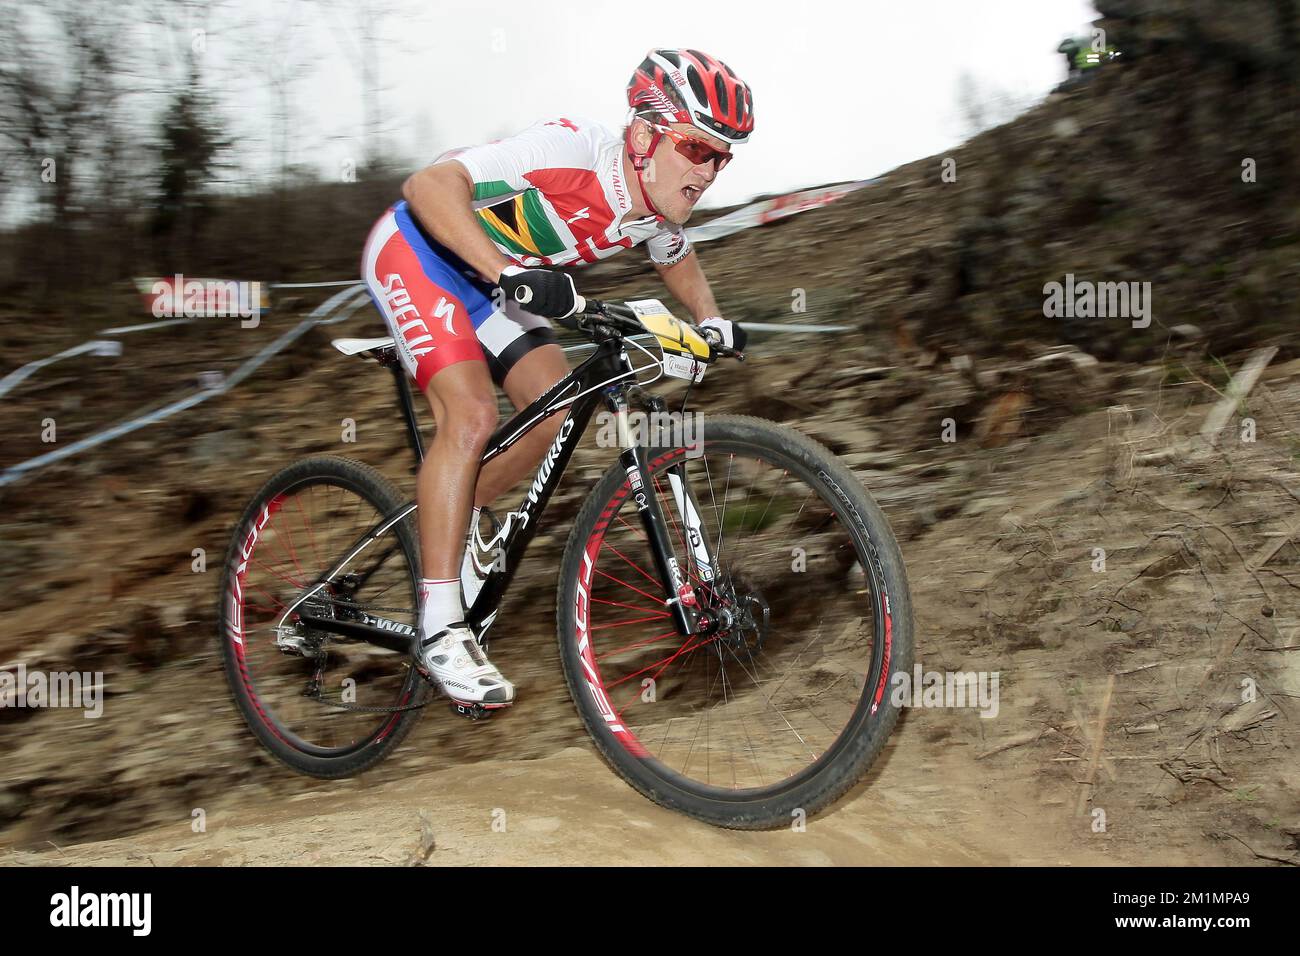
x,y
685,352
673,335
682,366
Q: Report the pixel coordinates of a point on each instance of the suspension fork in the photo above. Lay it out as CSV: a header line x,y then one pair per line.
x,y
700,560
700,556
679,596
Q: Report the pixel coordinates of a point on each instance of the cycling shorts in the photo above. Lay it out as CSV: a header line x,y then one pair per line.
x,y
437,308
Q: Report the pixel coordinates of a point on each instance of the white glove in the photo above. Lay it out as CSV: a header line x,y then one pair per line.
x,y
728,333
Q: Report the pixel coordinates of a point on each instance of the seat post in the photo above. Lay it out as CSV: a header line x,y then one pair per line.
x,y
408,412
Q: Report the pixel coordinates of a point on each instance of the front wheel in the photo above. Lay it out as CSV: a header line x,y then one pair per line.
x,y
782,710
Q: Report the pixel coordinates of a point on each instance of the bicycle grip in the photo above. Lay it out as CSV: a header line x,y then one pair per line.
x,y
571,321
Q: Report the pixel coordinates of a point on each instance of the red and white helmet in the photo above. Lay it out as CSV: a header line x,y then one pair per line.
x,y
687,86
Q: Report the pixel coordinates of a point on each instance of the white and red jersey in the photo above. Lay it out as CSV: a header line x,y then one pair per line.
x,y
555,195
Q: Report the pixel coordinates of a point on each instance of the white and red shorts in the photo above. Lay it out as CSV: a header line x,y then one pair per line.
x,y
437,308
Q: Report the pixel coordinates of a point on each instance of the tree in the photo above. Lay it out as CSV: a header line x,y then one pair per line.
x,y
191,143
60,88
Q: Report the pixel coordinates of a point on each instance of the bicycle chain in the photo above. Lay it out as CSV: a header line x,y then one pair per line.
x,y
360,708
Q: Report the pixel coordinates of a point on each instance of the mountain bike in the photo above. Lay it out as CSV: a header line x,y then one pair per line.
x,y
732,605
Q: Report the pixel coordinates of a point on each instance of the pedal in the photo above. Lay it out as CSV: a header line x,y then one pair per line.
x,y
470,711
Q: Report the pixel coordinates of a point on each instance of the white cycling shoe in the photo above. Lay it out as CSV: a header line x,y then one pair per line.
x,y
453,660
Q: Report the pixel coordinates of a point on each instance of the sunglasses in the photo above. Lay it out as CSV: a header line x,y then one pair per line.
x,y
696,150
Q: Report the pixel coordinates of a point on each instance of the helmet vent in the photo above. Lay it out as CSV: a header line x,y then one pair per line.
x,y
720,87
697,84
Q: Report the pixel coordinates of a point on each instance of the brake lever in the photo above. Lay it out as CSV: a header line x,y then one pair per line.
x,y
710,335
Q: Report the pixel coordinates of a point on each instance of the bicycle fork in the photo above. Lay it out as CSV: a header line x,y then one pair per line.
x,y
680,597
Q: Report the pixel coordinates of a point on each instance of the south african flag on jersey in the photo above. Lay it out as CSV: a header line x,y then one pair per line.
x,y
518,221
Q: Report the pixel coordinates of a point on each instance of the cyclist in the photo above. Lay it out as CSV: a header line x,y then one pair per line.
x,y
462,270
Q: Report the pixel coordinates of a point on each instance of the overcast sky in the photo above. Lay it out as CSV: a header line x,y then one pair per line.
x,y
842,90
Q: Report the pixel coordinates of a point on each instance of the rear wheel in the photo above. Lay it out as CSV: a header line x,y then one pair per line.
x,y
782,710
325,704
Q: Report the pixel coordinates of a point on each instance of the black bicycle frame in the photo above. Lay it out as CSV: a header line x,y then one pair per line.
x,y
603,376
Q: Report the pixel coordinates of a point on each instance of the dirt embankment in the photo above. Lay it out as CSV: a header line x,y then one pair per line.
x,y
1124,687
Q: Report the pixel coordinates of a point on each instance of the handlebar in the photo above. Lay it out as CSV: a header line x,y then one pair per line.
x,y
624,319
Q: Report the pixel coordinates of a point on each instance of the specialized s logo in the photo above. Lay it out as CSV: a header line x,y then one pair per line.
x,y
566,123
583,213
446,310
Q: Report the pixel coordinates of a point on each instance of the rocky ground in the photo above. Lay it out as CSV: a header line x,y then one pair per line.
x,y
1126,689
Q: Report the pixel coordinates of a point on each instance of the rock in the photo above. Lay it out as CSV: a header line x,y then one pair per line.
x,y
1067,127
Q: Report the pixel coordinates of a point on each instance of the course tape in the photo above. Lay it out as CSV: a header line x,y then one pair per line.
x,y
747,217
349,299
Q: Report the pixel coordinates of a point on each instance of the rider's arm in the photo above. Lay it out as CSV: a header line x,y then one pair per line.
x,y
445,195
685,280
441,196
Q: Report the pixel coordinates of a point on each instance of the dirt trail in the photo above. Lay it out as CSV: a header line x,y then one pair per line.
x,y
570,809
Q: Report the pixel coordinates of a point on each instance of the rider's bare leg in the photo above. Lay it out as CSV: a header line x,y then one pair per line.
x,y
465,411
530,377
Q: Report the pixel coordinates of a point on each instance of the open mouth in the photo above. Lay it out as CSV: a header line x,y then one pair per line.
x,y
692,193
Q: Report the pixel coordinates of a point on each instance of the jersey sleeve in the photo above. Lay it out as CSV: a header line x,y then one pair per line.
x,y
501,168
669,245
